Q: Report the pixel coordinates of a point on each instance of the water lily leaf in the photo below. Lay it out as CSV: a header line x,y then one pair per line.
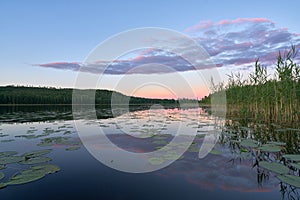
x,y
293,157
5,135
159,142
36,153
25,176
1,175
46,169
67,132
10,140
274,167
3,185
193,149
156,161
11,159
73,148
243,150
216,152
270,148
172,155
290,179
296,165
2,167
35,160
32,136
7,153
277,143
55,140
249,143
159,137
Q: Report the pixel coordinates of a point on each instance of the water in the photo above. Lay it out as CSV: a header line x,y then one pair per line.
x,y
222,174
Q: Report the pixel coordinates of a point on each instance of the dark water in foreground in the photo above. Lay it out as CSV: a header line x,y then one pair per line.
x,y
222,174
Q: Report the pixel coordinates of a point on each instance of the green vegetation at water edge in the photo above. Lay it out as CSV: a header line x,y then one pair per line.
x,y
262,97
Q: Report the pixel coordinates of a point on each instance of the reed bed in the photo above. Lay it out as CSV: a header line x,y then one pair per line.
x,y
262,97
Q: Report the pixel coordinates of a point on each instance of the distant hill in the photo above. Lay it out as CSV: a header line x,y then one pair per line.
x,y
16,95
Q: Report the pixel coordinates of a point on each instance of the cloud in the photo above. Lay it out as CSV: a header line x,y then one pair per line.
x,y
229,43
61,65
239,42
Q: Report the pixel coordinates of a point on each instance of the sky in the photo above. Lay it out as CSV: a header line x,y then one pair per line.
x,y
45,43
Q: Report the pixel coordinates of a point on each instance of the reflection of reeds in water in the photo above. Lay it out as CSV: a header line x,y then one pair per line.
x,y
272,149
262,98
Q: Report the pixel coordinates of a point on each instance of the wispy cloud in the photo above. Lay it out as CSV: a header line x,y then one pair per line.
x,y
229,43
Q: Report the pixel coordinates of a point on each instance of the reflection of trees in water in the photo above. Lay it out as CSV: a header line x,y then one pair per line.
x,y
62,112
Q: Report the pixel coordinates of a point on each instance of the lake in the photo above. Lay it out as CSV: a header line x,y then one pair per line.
x,y
45,154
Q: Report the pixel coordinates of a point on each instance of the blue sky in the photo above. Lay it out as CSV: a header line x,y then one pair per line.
x,y
37,33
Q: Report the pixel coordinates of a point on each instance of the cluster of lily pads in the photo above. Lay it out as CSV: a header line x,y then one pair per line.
x,y
46,138
35,159
285,173
271,156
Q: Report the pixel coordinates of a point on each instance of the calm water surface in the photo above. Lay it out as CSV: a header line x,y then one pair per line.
x,y
222,174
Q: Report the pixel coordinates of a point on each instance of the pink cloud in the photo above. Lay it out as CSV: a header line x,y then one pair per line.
x,y
202,25
243,20
208,24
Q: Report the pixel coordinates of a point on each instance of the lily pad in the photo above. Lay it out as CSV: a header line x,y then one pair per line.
x,y
270,148
275,167
73,148
159,142
2,167
243,150
156,161
296,165
46,169
3,185
7,153
230,134
249,143
293,157
10,159
290,179
25,176
55,141
193,149
277,143
5,135
35,160
1,175
216,152
10,140
160,137
171,155
36,153
32,136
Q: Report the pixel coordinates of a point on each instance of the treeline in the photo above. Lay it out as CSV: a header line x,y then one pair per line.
x,y
14,95
264,98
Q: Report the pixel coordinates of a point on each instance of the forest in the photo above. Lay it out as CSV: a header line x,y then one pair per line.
x,y
16,95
